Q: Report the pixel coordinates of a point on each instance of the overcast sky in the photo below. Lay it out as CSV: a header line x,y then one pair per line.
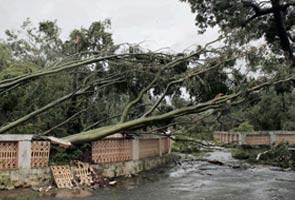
x,y
156,23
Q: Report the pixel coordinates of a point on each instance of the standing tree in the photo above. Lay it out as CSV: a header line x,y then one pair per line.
x,y
246,20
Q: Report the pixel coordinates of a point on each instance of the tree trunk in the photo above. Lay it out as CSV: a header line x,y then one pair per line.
x,y
279,19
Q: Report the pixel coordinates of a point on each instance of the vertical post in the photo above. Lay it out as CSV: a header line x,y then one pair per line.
x,y
242,138
24,154
170,143
160,146
273,138
135,149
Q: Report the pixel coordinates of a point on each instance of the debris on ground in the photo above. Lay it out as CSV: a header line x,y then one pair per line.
x,y
84,175
63,176
112,183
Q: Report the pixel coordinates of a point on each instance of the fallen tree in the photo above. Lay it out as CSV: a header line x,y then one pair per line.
x,y
168,75
235,98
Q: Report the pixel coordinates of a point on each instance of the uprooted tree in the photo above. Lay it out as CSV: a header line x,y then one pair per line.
x,y
97,88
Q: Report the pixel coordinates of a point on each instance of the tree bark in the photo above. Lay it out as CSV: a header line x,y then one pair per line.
x,y
279,19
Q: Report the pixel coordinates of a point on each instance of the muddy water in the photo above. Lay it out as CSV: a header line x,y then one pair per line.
x,y
200,180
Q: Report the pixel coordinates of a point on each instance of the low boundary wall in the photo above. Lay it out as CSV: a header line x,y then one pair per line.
x,y
255,138
24,162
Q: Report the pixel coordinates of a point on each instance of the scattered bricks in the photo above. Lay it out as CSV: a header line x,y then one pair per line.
x,y
63,176
8,155
83,173
40,154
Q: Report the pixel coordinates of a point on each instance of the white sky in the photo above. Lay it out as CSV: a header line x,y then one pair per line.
x,y
156,23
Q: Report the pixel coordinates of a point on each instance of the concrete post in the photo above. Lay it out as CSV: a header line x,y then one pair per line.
x,y
170,142
24,154
160,146
24,148
242,138
273,138
135,149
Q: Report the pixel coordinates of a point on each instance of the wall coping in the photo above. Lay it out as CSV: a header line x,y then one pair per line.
x,y
15,137
257,132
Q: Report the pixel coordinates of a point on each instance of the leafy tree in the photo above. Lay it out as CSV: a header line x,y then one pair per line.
x,y
97,88
247,20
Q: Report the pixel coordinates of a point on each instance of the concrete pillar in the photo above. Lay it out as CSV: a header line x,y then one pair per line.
x,y
273,138
135,149
24,148
24,154
160,147
242,138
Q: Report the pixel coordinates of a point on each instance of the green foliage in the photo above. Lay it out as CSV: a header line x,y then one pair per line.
x,y
185,147
279,155
17,69
5,55
240,154
61,156
246,21
36,49
244,127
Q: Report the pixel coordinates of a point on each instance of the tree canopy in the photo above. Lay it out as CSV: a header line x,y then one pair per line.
x,y
86,87
248,20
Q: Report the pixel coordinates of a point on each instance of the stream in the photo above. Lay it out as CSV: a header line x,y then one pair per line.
x,y
192,179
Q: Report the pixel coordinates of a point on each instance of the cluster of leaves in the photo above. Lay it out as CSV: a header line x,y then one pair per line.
x,y
142,78
247,20
34,49
278,155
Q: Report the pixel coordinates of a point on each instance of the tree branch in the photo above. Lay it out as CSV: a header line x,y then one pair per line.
x,y
61,124
158,75
216,103
101,121
190,75
8,83
257,9
49,106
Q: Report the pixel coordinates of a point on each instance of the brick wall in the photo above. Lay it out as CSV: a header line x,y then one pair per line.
x,y
255,138
23,154
118,150
111,150
40,154
8,155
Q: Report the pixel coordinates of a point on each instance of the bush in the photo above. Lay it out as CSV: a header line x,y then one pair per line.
x,y
244,127
279,155
240,154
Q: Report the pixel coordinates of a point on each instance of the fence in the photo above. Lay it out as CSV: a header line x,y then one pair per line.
x,y
8,155
255,138
40,154
20,152
117,150
107,151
